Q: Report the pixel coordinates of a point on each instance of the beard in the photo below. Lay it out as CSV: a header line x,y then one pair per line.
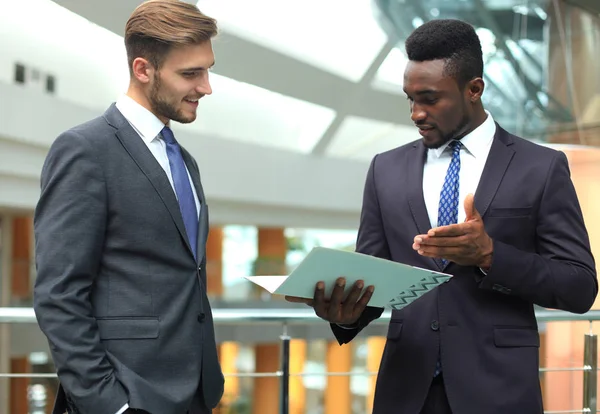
x,y
163,107
455,133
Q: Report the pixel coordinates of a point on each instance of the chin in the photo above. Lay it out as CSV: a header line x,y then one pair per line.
x,y
185,119
433,143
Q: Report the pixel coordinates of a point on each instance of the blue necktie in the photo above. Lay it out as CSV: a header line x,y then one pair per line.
x,y
448,208
183,188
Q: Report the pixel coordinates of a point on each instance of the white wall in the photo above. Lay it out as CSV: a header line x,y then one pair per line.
x,y
89,61
245,183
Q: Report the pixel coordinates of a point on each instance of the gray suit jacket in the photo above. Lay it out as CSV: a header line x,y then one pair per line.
x,y
482,327
119,294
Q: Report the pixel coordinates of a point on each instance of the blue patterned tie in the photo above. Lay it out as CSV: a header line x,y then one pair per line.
x,y
183,188
448,208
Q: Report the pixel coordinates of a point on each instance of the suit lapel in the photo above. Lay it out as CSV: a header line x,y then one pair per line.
x,y
203,218
144,159
495,167
416,201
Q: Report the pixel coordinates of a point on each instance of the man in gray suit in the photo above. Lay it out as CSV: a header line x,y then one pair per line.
x,y
120,231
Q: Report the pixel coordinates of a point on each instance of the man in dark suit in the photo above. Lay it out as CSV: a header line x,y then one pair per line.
x,y
470,346
121,228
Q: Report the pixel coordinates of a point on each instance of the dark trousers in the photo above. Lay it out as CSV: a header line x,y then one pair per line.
x,y
437,401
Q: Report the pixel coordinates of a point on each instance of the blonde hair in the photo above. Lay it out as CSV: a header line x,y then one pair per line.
x,y
157,26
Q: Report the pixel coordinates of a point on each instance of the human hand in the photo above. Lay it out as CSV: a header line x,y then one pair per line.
x,y
336,309
466,244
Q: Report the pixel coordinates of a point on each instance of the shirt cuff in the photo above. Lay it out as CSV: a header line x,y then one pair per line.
x,y
122,410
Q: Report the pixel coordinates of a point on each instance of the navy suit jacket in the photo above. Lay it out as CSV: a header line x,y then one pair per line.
x,y
484,327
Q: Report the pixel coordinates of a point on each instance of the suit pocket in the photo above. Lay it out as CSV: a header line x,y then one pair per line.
x,y
510,212
516,337
394,330
128,328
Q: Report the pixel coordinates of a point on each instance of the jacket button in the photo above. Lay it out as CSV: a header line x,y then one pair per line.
x,y
201,317
435,325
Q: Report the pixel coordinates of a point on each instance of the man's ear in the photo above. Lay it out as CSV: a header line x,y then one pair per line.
x,y
142,70
475,89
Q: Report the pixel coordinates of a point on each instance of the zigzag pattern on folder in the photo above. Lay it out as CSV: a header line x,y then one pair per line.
x,y
417,290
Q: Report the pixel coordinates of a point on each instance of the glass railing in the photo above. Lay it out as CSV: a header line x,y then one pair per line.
x,y
288,323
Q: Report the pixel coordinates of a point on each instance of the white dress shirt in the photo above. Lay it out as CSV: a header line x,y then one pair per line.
x,y
148,127
473,156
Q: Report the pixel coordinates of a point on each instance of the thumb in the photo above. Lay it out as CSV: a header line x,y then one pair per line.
x,y
470,210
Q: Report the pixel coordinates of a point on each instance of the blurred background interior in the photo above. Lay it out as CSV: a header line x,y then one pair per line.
x,y
304,94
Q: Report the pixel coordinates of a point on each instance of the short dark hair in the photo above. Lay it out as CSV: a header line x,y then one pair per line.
x,y
452,40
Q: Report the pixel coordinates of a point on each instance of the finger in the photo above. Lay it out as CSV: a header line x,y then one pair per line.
x,y
418,239
353,296
470,210
362,302
337,295
451,230
319,303
450,241
448,253
295,299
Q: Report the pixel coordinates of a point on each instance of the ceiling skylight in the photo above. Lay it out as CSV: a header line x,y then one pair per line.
x,y
252,114
339,36
390,76
361,138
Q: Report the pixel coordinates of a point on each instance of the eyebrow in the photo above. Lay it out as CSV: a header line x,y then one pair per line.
x,y
196,68
426,92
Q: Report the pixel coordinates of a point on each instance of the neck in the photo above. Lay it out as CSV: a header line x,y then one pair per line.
x,y
479,118
138,95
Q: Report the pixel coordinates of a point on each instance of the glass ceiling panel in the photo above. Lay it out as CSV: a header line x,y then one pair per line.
x,y
390,76
311,30
248,113
514,40
362,138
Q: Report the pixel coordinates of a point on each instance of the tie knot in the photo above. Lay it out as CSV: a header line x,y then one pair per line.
x,y
168,136
455,146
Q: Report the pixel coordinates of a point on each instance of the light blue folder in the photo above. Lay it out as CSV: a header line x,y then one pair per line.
x,y
396,284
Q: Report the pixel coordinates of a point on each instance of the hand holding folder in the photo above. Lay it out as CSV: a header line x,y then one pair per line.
x,y
395,284
343,307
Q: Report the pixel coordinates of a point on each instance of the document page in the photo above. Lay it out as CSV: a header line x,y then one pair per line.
x,y
396,284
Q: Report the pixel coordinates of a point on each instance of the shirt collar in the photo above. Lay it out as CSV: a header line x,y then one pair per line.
x,y
477,141
144,121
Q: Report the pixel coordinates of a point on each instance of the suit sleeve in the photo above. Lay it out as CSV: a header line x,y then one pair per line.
x,y
561,273
69,225
371,240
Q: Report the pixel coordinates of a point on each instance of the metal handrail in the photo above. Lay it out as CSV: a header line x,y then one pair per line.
x,y
306,316
223,316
